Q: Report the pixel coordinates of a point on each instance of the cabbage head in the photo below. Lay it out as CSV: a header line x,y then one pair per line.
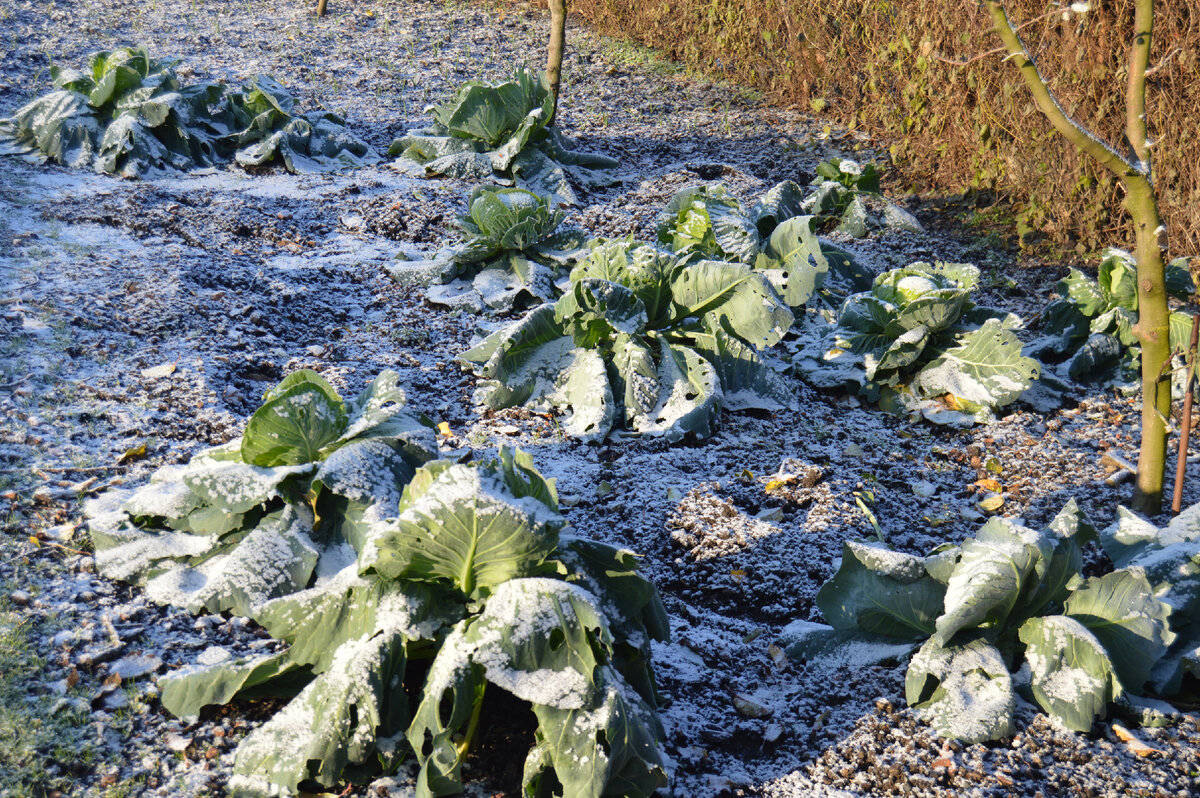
x,y
499,131
916,342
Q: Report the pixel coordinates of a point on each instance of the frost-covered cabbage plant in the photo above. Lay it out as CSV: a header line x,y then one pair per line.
x,y
917,343
265,515
130,115
1009,597
1171,559
511,255
491,131
1088,331
644,341
400,610
775,237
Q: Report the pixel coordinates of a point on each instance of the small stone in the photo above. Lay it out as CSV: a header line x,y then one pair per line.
x,y
158,372
134,666
20,597
176,742
316,350
212,753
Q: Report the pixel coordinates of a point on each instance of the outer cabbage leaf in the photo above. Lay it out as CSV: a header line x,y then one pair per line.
x,y
962,689
882,592
1073,678
609,748
468,529
740,300
985,366
1130,622
336,721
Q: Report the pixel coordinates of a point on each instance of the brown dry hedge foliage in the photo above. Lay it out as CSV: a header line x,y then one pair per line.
x,y
885,67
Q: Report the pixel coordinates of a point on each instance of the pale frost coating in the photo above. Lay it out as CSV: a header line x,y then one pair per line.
x,y
138,551
213,655
165,496
264,562
237,485
519,610
898,565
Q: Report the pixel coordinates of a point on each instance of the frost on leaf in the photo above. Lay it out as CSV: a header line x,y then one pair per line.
x,y
607,748
963,690
335,721
1073,678
644,340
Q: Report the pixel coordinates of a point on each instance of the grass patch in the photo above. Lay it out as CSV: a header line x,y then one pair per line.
x,y
44,739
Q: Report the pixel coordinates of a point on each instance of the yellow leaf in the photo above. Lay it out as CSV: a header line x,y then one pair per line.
x,y
776,484
33,539
991,504
994,466
988,483
133,453
1135,745
738,574
443,428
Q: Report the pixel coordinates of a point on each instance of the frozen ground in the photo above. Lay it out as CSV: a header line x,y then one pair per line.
x,y
155,314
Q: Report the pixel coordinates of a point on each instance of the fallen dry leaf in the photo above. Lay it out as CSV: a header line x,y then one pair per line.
x,y
1135,745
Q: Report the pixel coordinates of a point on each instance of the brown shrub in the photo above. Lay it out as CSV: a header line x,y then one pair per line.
x,y
885,66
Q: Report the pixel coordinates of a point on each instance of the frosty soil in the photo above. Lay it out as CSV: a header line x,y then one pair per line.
x,y
156,313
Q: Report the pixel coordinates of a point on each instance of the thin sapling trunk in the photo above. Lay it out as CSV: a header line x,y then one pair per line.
x,y
554,53
1136,175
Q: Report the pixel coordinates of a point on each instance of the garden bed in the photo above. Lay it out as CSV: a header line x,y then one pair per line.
x,y
143,321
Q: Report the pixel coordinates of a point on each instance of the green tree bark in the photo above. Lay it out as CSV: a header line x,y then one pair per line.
x,y
1141,202
554,53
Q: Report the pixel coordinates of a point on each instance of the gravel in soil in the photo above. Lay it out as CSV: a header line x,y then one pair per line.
x,y
143,320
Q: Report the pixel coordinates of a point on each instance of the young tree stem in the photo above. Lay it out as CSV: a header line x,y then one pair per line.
x,y
1141,203
554,53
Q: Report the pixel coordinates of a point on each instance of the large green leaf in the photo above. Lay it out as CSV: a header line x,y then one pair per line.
x,y
541,639
689,396
883,592
334,722
1084,292
782,202
293,427
985,366
1123,613
741,300
793,261
189,689
607,748
583,388
963,690
521,362
466,528
988,579
1073,679
747,381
